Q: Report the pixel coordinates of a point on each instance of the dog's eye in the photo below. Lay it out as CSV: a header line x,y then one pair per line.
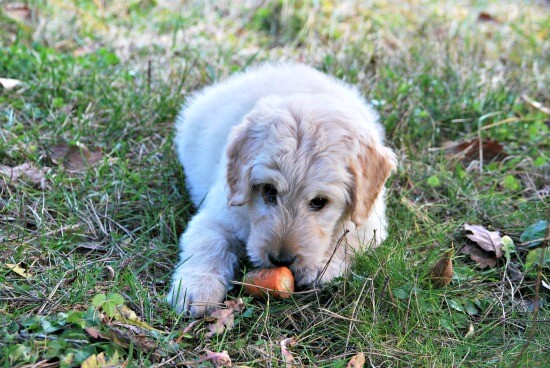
x,y
269,193
318,203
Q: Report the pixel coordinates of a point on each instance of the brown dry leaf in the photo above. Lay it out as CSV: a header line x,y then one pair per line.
x,y
489,241
287,356
95,333
357,361
441,273
17,11
224,317
9,83
482,258
25,172
468,151
124,335
218,359
75,158
487,17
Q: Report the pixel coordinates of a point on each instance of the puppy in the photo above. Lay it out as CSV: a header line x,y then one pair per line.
x,y
287,167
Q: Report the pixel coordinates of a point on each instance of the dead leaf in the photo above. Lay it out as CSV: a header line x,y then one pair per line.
x,y
17,11
16,268
102,361
218,359
24,172
224,318
487,240
124,335
468,151
128,314
287,356
9,83
487,17
357,361
95,333
482,258
441,273
75,158
131,321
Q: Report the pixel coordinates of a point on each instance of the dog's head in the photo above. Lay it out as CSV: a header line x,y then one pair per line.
x,y
302,165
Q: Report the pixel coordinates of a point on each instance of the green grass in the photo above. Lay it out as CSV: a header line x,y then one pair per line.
x,y
110,76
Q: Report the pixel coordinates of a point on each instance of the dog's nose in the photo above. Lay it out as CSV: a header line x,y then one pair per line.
x,y
282,259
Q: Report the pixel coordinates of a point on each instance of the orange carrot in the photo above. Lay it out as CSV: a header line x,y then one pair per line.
x,y
278,282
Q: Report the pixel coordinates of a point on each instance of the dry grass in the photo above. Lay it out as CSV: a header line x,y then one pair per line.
x,y
110,76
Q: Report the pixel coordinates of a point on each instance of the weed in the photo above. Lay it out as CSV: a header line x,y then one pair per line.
x,y
87,250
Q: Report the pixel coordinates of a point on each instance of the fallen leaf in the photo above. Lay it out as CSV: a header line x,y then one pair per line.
x,y
17,11
287,356
224,318
9,83
102,361
125,335
24,172
95,333
441,273
128,314
16,268
218,359
357,361
74,158
489,241
482,258
468,151
487,17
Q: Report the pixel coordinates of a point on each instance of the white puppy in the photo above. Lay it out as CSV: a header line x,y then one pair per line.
x,y
280,160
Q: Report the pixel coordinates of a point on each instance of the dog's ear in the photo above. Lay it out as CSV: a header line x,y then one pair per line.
x,y
370,170
240,152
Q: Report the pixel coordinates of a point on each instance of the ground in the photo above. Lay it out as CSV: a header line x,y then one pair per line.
x,y
92,198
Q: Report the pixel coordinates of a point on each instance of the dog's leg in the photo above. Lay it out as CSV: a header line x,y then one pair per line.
x,y
208,261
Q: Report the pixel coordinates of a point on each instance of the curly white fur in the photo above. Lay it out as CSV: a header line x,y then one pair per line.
x,y
261,152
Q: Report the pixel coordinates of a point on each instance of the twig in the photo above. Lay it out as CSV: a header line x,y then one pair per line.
x,y
338,244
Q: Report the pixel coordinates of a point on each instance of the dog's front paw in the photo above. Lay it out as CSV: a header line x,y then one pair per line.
x,y
194,295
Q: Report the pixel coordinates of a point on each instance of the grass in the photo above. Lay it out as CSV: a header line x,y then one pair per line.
x,y
109,77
